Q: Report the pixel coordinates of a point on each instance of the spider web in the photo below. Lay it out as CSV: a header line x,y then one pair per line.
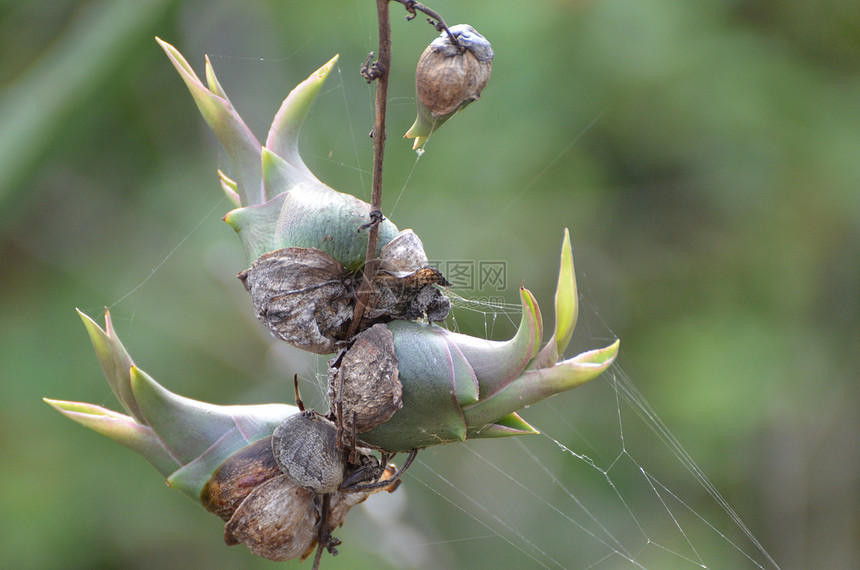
x,y
579,495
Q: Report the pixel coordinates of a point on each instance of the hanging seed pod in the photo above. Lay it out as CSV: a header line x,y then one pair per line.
x,y
365,380
448,78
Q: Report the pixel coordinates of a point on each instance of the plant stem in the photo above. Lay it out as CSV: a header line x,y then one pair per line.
x,y
434,18
380,73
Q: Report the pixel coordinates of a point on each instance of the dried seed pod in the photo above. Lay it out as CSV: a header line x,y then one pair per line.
x,y
280,520
366,380
302,295
277,521
305,449
405,287
403,255
305,297
449,77
408,298
267,511
238,476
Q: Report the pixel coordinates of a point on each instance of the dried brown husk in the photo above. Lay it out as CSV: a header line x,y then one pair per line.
x,y
276,521
365,381
302,296
305,449
238,476
448,79
406,287
268,512
305,297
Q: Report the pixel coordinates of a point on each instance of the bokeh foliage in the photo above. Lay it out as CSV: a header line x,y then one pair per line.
x,y
706,156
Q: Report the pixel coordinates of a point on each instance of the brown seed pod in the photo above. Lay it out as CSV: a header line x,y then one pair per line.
x,y
276,521
405,286
302,295
267,511
450,77
279,520
305,297
367,380
238,476
305,449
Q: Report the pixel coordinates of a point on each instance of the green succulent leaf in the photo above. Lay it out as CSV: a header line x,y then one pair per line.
x,y
283,138
497,363
120,428
240,144
539,384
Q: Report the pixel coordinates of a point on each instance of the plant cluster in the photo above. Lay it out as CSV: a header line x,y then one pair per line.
x,y
328,274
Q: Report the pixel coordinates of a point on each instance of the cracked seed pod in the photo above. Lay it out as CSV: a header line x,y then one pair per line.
x,y
306,298
366,379
448,78
405,287
266,510
302,295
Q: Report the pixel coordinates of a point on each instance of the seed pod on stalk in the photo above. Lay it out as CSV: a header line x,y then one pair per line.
x,y
449,76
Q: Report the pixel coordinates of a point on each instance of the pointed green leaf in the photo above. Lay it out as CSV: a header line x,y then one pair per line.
x,y
240,144
283,138
120,428
566,298
539,384
230,189
566,309
114,361
498,363
507,426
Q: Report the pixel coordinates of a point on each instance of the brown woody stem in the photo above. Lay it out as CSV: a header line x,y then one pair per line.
x,y
382,65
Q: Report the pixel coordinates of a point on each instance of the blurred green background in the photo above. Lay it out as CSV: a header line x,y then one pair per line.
x,y
705,155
